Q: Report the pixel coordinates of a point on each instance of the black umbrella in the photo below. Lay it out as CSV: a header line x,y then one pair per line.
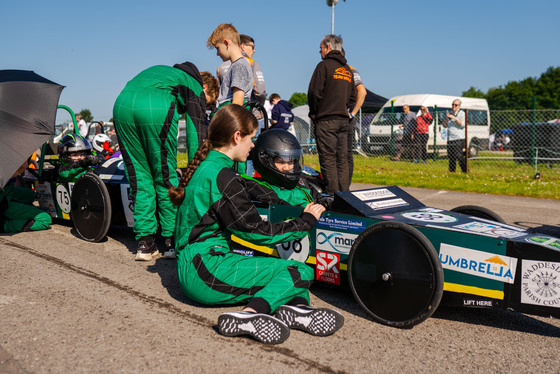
x,y
28,104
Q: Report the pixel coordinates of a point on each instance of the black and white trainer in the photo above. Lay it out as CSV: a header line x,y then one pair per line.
x,y
169,251
145,251
263,327
316,321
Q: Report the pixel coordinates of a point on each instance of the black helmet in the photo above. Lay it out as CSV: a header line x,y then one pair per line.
x,y
278,145
72,143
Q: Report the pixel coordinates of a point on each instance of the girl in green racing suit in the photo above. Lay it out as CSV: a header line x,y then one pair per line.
x,y
216,202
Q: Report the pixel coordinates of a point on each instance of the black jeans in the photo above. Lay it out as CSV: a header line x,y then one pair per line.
x,y
332,146
421,140
456,152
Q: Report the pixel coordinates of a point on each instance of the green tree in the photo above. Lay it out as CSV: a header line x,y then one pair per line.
x,y
514,95
86,115
548,89
474,92
519,94
298,99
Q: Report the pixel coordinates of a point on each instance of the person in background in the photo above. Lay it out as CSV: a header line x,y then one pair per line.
x,y
353,110
82,126
331,90
211,87
455,123
236,83
421,135
282,116
101,144
247,45
408,127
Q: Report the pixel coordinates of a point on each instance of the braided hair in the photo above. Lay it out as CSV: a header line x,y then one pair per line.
x,y
225,123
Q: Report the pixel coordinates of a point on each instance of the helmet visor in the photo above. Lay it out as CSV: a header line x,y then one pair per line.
x,y
288,162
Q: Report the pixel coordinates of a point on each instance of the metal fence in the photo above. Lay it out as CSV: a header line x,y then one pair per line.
x,y
512,141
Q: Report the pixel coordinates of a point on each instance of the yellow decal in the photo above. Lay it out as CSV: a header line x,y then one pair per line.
x,y
459,288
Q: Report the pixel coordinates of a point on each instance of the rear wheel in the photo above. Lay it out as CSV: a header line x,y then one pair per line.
x,y
479,212
395,274
91,208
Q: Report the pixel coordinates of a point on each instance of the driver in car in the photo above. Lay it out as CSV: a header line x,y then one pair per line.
x,y
75,157
278,158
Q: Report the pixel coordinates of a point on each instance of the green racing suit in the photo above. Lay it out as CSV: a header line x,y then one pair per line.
x,y
146,115
17,212
218,204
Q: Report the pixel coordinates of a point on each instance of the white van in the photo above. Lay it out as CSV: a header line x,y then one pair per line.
x,y
390,117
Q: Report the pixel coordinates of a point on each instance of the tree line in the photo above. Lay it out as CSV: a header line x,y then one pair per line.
x,y
518,95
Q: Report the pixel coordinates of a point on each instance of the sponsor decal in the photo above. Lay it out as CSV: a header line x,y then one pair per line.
x,y
63,198
245,252
331,241
478,303
381,193
45,198
111,176
388,217
297,249
429,217
490,230
111,161
545,241
540,283
328,267
428,209
341,224
385,204
128,207
482,264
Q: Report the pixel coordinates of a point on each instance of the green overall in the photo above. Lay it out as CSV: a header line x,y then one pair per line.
x,y
16,210
146,116
218,204
297,196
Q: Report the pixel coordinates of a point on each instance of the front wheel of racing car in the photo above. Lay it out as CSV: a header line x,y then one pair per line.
x,y
478,212
91,208
395,274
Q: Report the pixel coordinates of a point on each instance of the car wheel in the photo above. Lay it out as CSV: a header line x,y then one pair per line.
x,y
395,274
91,208
479,212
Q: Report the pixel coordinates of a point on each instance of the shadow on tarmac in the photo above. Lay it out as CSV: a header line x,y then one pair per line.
x,y
342,299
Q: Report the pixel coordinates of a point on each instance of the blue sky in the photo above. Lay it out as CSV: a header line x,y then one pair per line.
x,y
399,47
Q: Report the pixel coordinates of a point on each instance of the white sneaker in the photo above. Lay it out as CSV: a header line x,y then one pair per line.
x,y
263,327
316,321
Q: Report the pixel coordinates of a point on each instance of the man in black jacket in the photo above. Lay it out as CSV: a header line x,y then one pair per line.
x,y
330,92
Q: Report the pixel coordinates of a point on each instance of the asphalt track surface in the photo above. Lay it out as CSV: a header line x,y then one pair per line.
x,y
68,306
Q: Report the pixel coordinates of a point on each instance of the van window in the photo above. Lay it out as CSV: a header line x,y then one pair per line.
x,y
386,117
478,117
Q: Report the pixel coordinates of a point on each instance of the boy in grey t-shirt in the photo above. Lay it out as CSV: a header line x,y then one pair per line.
x,y
238,76
238,80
